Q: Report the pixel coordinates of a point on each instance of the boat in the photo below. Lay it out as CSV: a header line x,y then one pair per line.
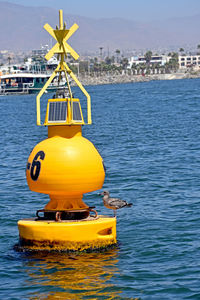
x,y
27,83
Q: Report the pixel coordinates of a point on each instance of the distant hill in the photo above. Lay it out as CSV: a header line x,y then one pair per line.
x,y
21,28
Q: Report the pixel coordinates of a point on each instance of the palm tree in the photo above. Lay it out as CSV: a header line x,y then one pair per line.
x,y
108,60
173,62
117,51
148,56
198,47
9,59
101,52
134,68
124,63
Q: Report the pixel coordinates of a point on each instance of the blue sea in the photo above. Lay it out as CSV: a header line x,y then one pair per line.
x,y
148,136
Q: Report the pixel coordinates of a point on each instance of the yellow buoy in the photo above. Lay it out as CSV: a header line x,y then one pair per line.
x,y
65,166
68,235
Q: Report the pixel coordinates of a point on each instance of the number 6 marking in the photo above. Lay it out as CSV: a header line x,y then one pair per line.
x,y
36,165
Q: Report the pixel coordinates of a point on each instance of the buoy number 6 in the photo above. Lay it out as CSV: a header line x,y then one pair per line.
x,y
36,165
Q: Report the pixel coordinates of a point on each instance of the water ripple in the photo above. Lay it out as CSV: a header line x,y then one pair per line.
x,y
148,135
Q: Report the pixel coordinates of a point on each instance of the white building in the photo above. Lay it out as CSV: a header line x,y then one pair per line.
x,y
155,59
187,61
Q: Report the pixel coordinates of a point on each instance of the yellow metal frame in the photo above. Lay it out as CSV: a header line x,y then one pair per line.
x,y
69,119
62,48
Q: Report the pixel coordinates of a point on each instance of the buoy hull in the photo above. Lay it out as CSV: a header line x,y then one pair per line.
x,y
61,166
67,235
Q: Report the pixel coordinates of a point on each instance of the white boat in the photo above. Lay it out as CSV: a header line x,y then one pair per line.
x,y
27,83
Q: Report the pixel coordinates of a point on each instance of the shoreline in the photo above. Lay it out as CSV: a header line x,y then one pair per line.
x,y
125,78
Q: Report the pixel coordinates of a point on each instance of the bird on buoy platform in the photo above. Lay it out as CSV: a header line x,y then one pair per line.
x,y
113,203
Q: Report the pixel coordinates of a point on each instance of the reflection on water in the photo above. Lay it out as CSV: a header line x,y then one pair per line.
x,y
84,276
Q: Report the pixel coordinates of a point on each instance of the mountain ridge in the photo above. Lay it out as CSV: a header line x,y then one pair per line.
x,y
22,29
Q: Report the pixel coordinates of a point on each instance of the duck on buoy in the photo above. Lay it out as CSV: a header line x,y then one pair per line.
x,y
65,166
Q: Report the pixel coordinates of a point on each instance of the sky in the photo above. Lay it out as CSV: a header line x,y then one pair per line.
x,y
138,10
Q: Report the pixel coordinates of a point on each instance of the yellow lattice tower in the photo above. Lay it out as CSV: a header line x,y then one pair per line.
x,y
62,48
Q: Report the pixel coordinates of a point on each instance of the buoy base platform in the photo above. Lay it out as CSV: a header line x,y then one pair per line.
x,y
67,235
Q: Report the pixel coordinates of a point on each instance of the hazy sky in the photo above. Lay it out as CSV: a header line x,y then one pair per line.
x,y
130,9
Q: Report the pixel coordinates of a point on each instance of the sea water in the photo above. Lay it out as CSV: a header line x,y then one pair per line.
x,y
148,136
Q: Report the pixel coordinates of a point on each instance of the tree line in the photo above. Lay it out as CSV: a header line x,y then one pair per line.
x,y
119,64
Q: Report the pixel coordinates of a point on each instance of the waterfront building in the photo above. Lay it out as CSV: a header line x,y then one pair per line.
x,y
155,59
187,61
